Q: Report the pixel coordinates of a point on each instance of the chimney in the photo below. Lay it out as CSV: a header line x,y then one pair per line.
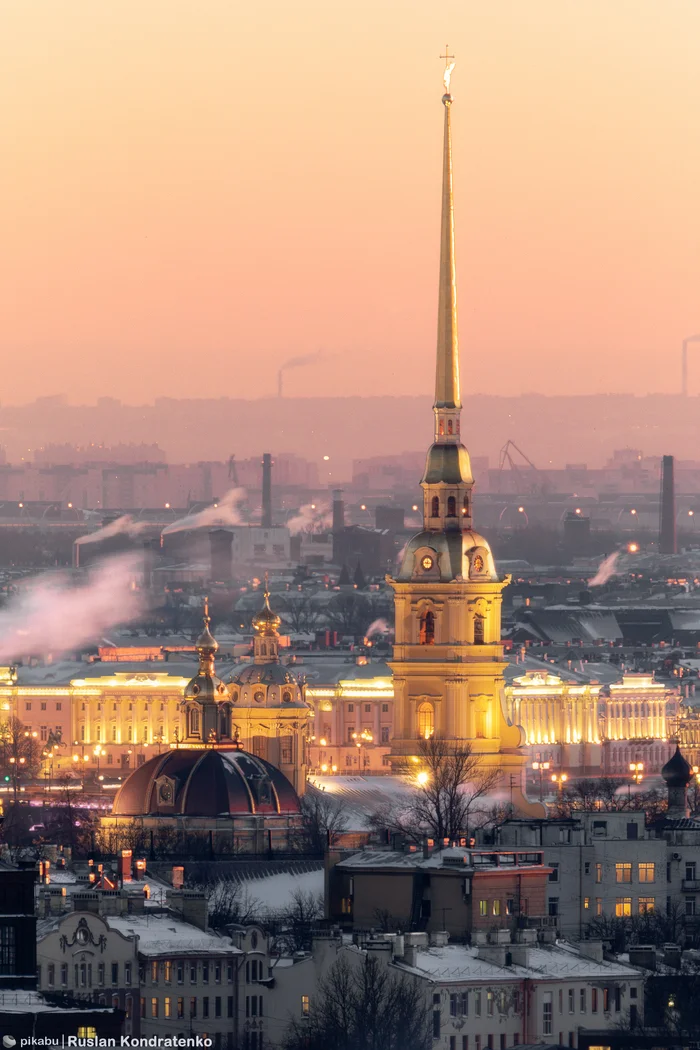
x,y
667,530
338,510
190,905
221,555
267,491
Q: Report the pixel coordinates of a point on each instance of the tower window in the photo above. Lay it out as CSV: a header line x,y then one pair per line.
x,y
449,426
427,628
451,507
263,649
478,630
194,721
441,427
435,507
426,721
465,507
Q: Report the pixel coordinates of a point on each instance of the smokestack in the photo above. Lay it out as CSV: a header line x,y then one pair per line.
x,y
267,491
667,531
338,510
221,548
76,554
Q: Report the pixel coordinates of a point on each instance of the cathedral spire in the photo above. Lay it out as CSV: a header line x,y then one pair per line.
x,y
447,393
206,644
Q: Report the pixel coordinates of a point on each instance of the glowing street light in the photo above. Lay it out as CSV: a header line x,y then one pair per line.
x,y
422,778
559,779
541,768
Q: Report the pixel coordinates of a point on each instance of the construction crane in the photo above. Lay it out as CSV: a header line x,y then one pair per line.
x,y
684,362
534,482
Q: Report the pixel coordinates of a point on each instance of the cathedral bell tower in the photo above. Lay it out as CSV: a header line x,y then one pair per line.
x,y
448,658
207,706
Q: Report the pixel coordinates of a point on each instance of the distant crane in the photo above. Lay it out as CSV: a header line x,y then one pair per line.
x,y
684,362
521,469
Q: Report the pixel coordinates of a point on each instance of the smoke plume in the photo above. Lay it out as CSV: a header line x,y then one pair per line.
x,y
125,525
300,362
606,570
52,615
225,512
379,626
312,517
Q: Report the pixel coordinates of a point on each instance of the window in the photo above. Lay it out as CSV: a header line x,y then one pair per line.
x,y
453,1042
385,734
154,971
7,949
547,1013
483,908
115,973
205,1006
623,872
690,905
554,873
368,708
623,906
477,1004
606,1000
217,973
59,705
229,1006
193,1006
193,973
478,630
351,730
351,709
205,973
64,975
100,973
304,1006
572,1001
690,869
435,507
180,972
427,628
646,872
217,1006
436,1024
426,721
154,1007
496,908
489,1004
51,975
599,872
451,507
594,1000
646,905
599,905
582,1000
180,1006
166,1007
553,906
586,903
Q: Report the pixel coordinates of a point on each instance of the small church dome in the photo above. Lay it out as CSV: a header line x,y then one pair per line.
x,y
677,771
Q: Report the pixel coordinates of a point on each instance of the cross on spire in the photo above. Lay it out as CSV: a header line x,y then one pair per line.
x,y
447,56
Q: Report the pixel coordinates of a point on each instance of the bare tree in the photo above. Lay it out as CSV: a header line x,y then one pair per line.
x,y
364,1005
299,611
323,821
292,927
444,805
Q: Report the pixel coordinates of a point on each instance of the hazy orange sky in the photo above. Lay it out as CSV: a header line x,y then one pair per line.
x,y
194,192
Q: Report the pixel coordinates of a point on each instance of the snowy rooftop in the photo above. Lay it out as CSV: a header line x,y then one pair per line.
x,y
266,895
456,962
160,934
453,859
23,1002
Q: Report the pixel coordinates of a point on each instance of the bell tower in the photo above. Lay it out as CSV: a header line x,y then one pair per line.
x,y
448,658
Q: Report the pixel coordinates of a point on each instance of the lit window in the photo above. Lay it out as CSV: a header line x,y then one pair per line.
x,y
166,1007
304,1006
426,721
623,906
646,905
483,908
599,872
154,1007
623,872
586,903
599,905
496,907
646,872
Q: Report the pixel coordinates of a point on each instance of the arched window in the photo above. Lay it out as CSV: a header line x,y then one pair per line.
x,y
225,720
441,427
194,721
426,721
449,426
263,649
465,507
435,507
427,628
478,630
451,507
286,697
480,724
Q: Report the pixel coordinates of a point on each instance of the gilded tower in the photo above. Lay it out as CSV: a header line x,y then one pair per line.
x,y
448,658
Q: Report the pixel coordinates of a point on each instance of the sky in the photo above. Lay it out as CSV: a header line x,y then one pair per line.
x,y
194,193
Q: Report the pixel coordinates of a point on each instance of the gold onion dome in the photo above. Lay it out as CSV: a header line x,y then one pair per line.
x,y
266,621
206,641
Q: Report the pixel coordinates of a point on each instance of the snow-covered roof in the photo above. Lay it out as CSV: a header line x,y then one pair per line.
x,y
458,963
266,895
31,1002
161,934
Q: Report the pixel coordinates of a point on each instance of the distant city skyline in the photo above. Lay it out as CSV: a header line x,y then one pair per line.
x,y
192,196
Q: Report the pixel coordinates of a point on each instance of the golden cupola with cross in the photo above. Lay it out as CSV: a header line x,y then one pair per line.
x,y
448,657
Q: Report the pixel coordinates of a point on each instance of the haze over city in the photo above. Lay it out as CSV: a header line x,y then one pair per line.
x,y
193,196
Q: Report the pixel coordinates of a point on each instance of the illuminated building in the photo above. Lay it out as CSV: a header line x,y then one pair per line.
x,y
448,657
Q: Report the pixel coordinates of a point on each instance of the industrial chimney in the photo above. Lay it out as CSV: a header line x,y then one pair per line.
x,y
667,530
267,491
338,510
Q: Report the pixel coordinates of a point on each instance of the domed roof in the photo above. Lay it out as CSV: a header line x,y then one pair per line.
x,y
449,464
265,620
677,772
454,554
204,782
264,674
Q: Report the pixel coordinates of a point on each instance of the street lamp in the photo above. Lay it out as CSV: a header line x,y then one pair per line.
x,y
540,767
97,751
559,779
636,774
365,737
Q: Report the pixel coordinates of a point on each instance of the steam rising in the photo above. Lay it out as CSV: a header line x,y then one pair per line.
x,y
312,517
380,627
606,570
225,512
52,616
126,525
300,362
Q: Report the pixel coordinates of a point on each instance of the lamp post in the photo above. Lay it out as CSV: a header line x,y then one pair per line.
x,y
540,767
559,779
361,739
636,775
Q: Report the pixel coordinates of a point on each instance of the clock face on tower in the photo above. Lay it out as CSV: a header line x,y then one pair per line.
x,y
426,562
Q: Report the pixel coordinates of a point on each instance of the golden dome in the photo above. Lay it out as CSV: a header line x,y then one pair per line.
x,y
266,621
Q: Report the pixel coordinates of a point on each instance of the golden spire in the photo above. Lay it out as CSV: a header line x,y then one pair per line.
x,y
206,644
266,621
447,392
